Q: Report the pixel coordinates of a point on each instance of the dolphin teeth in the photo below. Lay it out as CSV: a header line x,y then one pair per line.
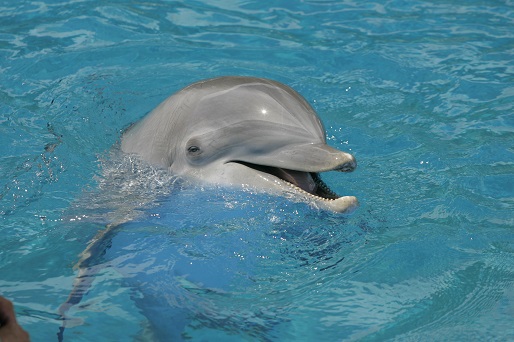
x,y
323,192
327,192
345,204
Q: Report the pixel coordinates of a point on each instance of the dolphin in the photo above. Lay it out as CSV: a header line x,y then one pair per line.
x,y
231,131
243,131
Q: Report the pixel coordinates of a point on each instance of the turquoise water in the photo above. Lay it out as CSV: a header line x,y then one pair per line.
x,y
422,93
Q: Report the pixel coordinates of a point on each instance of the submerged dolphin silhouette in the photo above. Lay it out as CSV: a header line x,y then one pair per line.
x,y
243,131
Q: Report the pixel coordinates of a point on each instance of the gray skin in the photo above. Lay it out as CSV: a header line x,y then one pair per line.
x,y
244,132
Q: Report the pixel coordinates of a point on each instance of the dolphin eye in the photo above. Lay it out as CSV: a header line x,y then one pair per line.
x,y
194,150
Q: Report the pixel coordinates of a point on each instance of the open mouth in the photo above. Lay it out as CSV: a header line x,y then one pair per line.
x,y
308,182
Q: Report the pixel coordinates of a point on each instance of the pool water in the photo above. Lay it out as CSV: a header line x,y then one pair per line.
x,y
422,93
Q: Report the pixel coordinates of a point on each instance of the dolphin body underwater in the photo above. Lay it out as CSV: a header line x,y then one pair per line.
x,y
231,131
243,131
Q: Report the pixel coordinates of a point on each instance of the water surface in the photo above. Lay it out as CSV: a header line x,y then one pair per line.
x,y
421,93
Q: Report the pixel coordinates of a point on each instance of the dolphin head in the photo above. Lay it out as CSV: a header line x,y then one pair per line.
x,y
243,131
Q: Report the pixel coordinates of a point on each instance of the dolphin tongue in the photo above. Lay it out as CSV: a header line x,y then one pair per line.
x,y
302,180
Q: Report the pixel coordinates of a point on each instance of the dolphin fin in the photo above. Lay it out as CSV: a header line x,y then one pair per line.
x,y
88,267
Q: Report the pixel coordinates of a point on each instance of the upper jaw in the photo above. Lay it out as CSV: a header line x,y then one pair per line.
x,y
307,157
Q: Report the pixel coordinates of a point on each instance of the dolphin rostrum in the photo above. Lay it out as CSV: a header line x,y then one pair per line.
x,y
243,131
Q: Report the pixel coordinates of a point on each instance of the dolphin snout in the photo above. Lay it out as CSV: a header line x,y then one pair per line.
x,y
348,163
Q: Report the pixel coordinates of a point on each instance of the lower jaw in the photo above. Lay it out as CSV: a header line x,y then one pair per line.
x,y
342,205
321,196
